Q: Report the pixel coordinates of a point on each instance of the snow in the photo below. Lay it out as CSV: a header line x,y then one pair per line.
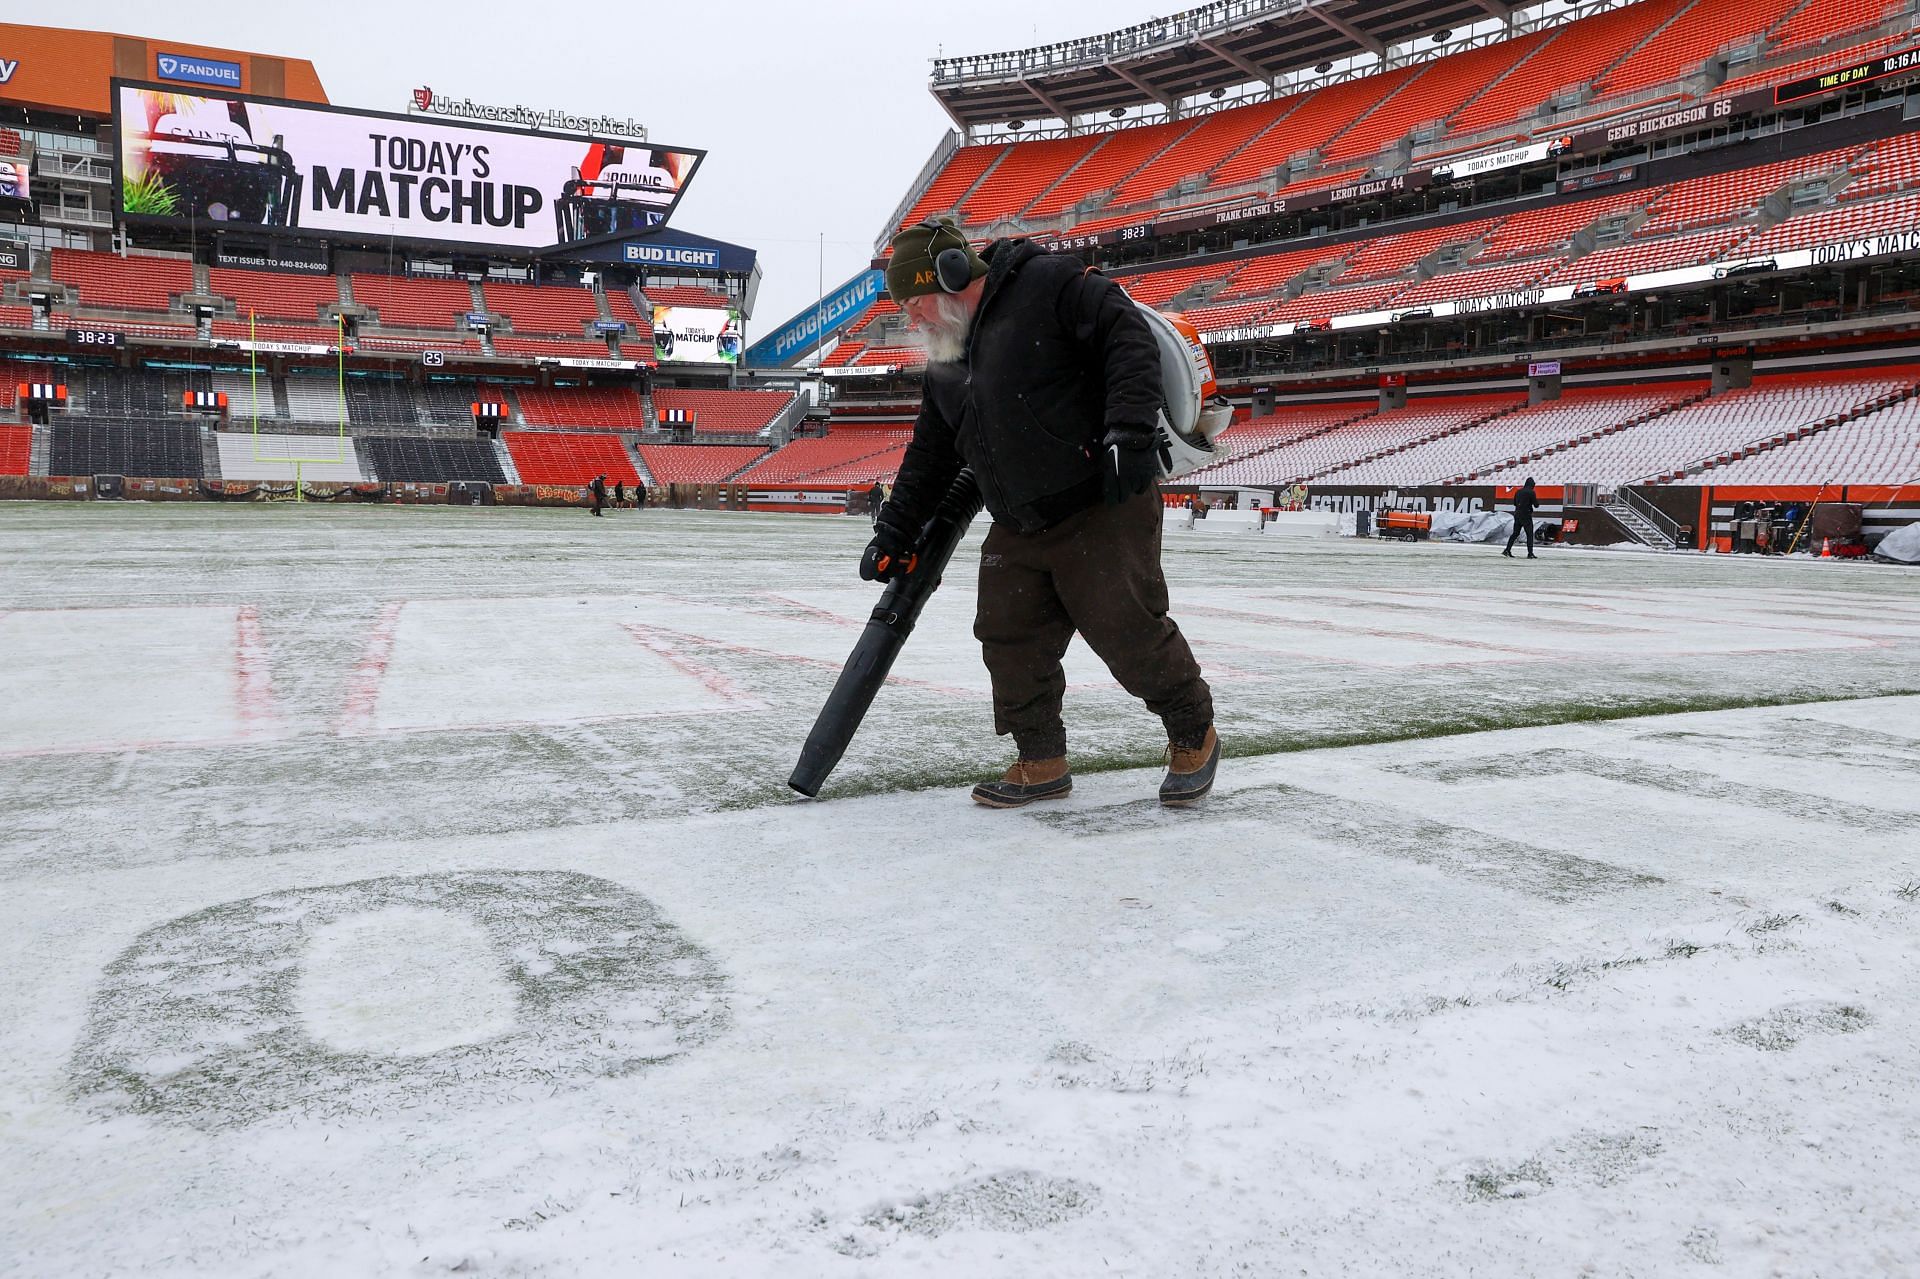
x,y
417,892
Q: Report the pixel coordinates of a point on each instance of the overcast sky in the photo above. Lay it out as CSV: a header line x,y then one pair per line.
x,y
815,117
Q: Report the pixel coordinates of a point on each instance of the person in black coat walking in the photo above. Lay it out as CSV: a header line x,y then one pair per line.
x,y
598,492
1524,503
1044,379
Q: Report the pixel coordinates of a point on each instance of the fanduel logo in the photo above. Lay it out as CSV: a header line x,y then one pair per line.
x,y
197,70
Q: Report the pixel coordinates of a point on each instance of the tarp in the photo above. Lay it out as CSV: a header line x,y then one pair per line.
x,y
1903,545
1471,526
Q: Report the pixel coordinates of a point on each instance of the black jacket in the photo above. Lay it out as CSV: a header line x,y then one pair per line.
x,y
1524,501
1057,357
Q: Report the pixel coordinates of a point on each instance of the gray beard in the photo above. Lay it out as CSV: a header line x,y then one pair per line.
x,y
942,346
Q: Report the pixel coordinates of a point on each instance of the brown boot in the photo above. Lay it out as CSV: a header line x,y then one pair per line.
x,y
1190,771
1026,781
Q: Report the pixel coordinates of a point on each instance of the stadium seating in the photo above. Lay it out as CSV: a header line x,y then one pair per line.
x,y
1481,283
1119,154
883,466
1699,30
1321,304
725,412
16,317
686,295
327,335
180,330
314,397
565,310
1880,447
154,450
1826,59
1847,222
557,457
1664,445
1726,197
1570,58
842,449
1287,424
1201,149
324,458
1885,168
380,401
1440,89
16,446
1822,21
130,284
843,354
275,295
1320,115
1156,288
1270,272
607,407
906,357
1551,229
1579,413
962,169
698,463
1384,256
1028,170
406,458
550,348
1645,257
417,303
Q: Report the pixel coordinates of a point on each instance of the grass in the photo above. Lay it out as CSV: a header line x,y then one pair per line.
x,y
1253,745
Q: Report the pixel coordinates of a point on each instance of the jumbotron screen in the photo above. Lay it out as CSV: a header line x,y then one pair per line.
x,y
263,163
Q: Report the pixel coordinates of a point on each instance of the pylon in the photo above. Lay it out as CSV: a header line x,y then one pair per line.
x,y
1826,548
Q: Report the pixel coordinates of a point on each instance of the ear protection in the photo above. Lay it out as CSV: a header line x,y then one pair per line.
x,y
952,267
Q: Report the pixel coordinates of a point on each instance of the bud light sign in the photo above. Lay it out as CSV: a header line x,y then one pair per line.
x,y
806,330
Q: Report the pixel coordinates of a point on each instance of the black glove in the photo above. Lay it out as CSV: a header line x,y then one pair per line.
x,y
1130,465
890,553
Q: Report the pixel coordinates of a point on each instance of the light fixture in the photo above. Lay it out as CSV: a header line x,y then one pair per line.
x,y
1218,94
1116,113
1014,126
1442,35
1321,68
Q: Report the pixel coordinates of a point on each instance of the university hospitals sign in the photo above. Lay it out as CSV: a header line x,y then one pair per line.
x,y
424,101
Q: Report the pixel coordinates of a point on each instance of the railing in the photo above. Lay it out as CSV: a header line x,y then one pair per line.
x,y
1647,511
1216,18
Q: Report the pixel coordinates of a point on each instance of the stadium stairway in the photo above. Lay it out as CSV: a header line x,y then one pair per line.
x,y
1644,530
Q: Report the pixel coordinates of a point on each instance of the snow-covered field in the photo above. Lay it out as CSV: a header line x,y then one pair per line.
x,y
418,892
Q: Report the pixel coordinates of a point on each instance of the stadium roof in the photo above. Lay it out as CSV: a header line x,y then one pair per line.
x,y
1217,46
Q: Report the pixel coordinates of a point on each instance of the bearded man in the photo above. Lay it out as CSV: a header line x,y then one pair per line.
x,y
1044,378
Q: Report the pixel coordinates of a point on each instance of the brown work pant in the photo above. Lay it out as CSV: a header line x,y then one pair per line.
x,y
1098,573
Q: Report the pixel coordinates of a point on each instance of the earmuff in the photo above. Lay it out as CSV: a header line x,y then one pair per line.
x,y
952,267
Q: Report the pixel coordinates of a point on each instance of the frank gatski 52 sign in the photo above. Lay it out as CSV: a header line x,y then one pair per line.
x,y
262,163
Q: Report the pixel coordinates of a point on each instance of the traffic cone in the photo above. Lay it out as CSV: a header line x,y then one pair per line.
x,y
1826,548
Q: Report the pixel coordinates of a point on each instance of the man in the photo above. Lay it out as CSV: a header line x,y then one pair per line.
x,y
1523,503
619,494
876,498
1044,378
598,492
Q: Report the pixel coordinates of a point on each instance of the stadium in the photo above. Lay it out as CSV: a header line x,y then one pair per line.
x,y
402,871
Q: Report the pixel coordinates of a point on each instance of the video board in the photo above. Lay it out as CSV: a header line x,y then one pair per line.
x,y
261,163
696,335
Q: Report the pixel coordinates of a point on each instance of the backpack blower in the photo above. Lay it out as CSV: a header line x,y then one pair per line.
x,y
1191,415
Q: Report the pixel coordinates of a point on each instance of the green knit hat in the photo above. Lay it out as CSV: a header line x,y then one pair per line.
x,y
910,271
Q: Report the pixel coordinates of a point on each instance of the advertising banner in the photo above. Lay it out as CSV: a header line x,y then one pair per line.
x,y
282,256
260,162
805,331
696,335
